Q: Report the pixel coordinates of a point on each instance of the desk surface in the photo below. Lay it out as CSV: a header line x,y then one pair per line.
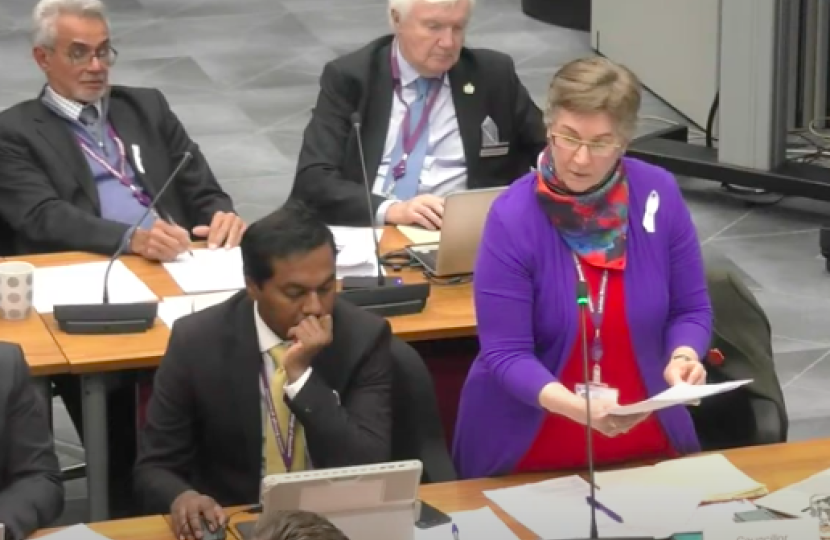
x,y
449,313
776,466
43,354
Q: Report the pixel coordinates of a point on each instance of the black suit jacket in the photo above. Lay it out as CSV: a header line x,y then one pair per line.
x,y
47,192
31,492
329,173
204,421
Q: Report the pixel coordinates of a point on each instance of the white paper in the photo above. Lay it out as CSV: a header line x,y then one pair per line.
x,y
680,394
419,235
84,284
712,515
208,270
356,255
172,308
794,499
473,524
75,532
557,509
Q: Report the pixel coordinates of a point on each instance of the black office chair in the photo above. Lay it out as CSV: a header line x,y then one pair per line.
x,y
417,432
754,414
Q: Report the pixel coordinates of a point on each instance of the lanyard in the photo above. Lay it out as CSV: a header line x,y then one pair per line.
x,y
286,448
597,313
409,136
121,173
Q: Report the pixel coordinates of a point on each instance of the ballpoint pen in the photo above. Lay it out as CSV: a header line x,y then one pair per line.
x,y
169,219
455,535
604,509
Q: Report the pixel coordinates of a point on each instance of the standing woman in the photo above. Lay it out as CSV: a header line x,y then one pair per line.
x,y
620,226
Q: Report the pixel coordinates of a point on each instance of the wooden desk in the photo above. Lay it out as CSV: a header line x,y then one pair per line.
x,y
776,466
43,354
449,313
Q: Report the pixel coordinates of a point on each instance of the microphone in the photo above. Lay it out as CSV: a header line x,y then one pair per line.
x,y
593,504
381,295
106,318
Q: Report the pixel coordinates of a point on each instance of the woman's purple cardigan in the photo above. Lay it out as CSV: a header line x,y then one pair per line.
x,y
525,298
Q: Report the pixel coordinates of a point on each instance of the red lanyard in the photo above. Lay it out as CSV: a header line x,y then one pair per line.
x,y
286,448
121,173
409,137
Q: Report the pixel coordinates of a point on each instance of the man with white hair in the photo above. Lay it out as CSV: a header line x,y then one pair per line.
x,y
78,167
80,163
434,116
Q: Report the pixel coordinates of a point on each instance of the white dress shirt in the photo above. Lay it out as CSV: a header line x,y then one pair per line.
x,y
445,167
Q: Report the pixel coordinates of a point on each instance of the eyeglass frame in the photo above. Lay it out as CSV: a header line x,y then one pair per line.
x,y
591,146
107,58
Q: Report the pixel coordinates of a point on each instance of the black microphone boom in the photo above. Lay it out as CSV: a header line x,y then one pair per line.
x,y
381,295
106,318
582,307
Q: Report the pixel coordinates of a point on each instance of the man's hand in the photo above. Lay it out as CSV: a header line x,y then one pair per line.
x,y
310,337
424,210
225,230
186,512
163,242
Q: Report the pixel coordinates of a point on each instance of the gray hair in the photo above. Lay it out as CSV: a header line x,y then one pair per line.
x,y
403,6
47,11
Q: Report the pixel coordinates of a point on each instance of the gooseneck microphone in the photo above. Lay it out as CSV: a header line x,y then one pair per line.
x,y
381,295
583,312
107,318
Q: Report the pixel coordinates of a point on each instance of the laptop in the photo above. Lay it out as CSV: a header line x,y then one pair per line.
x,y
463,224
372,502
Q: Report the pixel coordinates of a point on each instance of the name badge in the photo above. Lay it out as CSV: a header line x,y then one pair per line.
x,y
778,529
495,150
598,391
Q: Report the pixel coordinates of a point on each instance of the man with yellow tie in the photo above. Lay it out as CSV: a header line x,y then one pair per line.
x,y
281,377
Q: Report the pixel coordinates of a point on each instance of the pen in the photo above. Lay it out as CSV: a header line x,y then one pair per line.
x,y
169,219
605,510
455,532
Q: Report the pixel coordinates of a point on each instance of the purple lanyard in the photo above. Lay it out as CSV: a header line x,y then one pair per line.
x,y
597,314
286,450
121,173
409,137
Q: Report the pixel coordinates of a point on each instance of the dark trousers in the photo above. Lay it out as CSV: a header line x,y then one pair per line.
x,y
121,424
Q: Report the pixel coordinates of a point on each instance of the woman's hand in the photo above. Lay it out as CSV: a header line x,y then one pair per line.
x,y
685,367
607,424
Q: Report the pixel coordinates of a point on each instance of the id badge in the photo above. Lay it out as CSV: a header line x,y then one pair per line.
x,y
598,391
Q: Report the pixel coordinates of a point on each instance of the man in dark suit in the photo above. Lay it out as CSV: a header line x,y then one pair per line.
x,y
79,164
31,492
281,377
480,128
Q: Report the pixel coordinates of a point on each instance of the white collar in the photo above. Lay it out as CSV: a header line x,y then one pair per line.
x,y
265,336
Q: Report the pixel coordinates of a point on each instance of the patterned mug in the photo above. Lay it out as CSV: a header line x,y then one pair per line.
x,y
16,289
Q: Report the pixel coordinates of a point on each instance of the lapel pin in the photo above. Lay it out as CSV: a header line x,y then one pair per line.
x,y
469,88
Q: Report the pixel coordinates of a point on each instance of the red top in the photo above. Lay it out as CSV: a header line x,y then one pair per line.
x,y
560,443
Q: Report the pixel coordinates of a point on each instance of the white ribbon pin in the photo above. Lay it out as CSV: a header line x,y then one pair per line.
x,y
652,204
137,158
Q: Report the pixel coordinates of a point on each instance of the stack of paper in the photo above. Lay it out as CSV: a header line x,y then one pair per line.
x,y
475,524
419,235
795,500
208,270
713,475
173,308
558,509
84,284
680,394
356,255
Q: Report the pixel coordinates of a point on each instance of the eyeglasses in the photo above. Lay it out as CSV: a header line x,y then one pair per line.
x,y
81,55
594,148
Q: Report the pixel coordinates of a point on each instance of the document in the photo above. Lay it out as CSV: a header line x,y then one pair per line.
x,y
796,499
713,475
356,255
474,524
680,394
419,235
208,270
75,532
172,308
84,284
558,509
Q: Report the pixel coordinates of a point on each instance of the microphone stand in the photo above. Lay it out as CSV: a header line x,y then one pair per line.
x,y
582,307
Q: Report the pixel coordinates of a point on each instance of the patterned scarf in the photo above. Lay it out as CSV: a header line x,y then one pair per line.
x,y
594,224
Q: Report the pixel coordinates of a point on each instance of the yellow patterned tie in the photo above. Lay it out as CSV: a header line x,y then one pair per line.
x,y
275,464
